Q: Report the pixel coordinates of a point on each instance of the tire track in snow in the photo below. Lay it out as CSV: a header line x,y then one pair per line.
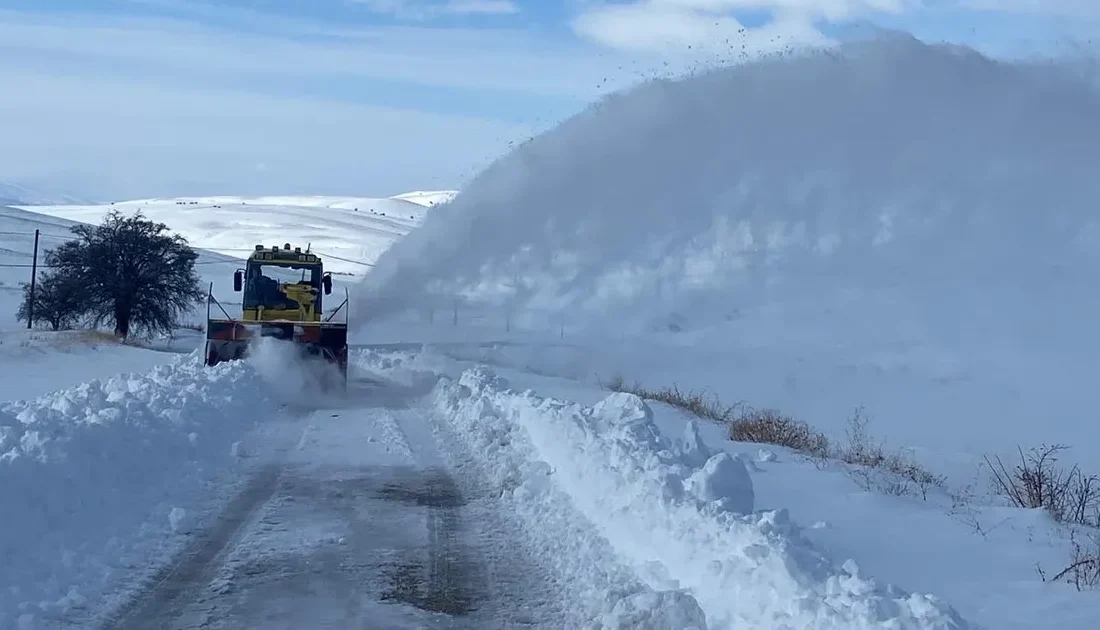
x,y
453,580
362,522
165,596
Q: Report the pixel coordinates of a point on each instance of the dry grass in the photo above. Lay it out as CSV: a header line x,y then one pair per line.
x,y
768,426
871,465
68,339
697,403
904,475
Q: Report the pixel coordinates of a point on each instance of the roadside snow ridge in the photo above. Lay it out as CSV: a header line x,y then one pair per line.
x,y
683,517
82,469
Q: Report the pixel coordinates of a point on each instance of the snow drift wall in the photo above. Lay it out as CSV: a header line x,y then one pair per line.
x,y
84,469
679,514
889,163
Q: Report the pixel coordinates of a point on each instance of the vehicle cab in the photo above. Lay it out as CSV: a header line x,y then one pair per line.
x,y
282,284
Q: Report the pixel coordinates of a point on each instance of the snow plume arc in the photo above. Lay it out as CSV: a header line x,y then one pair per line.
x,y
881,163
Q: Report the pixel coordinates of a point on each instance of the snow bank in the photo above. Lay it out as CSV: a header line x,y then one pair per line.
x,y
679,513
95,477
37,362
602,591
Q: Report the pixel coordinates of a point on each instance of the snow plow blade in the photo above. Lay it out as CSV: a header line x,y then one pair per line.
x,y
228,340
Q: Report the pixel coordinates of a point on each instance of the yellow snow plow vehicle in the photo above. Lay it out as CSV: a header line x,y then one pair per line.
x,y
282,298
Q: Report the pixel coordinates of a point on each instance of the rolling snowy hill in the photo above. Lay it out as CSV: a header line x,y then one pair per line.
x,y
17,227
351,231
18,194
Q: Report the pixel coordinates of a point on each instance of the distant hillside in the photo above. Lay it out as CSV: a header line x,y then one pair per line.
x,y
12,194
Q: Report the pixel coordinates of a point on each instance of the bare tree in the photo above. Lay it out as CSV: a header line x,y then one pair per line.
x,y
131,273
57,301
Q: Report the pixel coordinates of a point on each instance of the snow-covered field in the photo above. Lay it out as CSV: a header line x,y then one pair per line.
x,y
656,238
351,232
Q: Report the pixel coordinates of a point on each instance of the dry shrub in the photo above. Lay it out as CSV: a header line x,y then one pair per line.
x,y
696,403
1083,570
771,427
1068,495
905,476
1039,482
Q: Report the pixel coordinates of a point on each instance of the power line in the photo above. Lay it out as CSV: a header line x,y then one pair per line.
x,y
22,266
335,257
204,250
31,234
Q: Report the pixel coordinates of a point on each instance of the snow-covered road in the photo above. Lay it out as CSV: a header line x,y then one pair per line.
x,y
440,492
358,520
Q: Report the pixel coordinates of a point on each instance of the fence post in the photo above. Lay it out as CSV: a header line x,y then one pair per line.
x,y
34,275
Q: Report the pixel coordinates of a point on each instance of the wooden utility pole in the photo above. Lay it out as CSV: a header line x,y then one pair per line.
x,y
34,276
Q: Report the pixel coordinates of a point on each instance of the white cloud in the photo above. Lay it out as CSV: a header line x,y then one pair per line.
x,y
702,25
425,9
1062,8
465,58
135,107
665,24
830,9
482,6
135,138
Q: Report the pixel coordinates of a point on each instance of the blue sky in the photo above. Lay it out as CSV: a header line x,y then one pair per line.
x,y
125,98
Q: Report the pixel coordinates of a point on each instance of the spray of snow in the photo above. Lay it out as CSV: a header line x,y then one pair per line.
x,y
290,376
880,165
679,514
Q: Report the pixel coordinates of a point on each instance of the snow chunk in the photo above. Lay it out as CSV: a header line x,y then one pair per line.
x,y
693,447
656,610
176,518
725,481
